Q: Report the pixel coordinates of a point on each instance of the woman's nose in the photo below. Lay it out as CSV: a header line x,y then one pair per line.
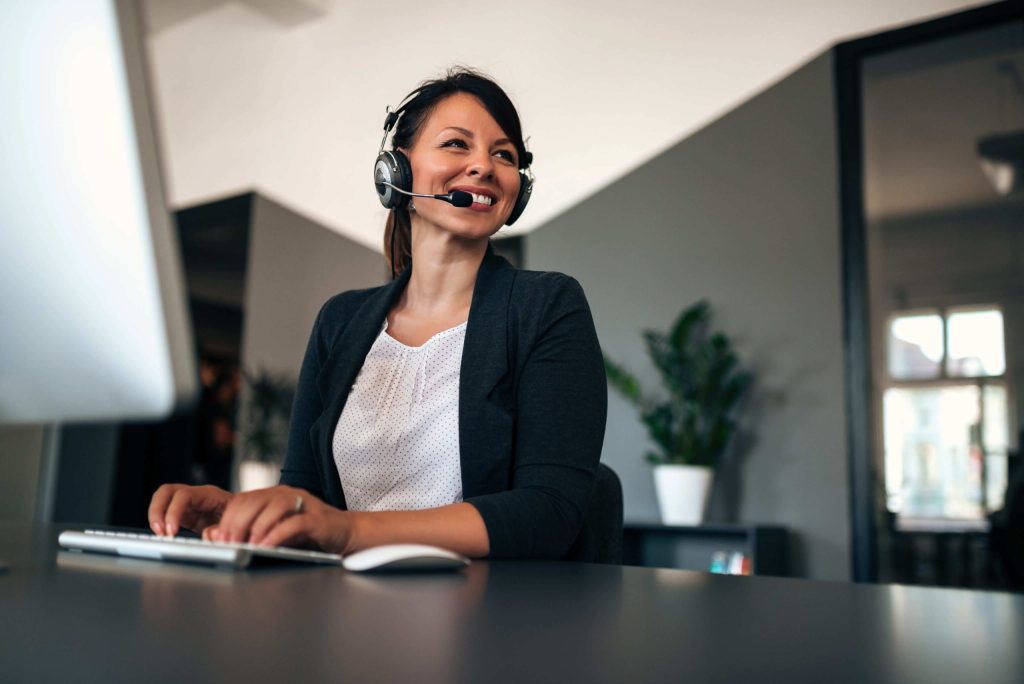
x,y
482,166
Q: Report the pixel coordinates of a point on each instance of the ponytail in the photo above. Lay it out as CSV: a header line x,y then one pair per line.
x,y
398,240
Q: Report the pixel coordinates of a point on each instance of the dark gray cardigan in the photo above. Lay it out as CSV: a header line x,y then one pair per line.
x,y
532,402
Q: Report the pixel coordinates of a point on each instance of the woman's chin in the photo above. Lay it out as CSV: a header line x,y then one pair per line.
x,y
470,228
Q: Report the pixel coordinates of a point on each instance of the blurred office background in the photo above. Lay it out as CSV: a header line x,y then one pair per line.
x,y
837,179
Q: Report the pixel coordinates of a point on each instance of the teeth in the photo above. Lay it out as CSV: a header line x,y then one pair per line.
x,y
482,199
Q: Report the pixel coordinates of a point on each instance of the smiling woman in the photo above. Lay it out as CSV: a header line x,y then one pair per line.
x,y
447,121
462,405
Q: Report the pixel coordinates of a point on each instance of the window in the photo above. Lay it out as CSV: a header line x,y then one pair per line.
x,y
945,413
915,346
975,344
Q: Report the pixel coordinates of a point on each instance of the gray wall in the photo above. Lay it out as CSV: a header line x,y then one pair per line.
x,y
295,265
745,213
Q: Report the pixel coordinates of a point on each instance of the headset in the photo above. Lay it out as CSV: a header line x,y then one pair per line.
x,y
392,173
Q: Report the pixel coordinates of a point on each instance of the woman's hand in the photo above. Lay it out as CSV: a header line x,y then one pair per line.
x,y
195,508
280,516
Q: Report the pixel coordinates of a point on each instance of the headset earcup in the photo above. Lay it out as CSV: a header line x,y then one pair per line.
x,y
392,167
525,190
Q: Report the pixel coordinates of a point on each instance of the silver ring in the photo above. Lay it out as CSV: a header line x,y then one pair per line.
x,y
299,504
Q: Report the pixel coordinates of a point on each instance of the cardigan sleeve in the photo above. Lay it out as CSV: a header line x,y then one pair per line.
x,y
561,407
299,468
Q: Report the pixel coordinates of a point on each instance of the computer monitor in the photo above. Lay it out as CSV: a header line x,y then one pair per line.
x,y
93,319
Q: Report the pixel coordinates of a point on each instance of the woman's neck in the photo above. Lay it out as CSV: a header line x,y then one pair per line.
x,y
443,274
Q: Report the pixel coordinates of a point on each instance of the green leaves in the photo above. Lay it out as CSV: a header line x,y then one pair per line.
x,y
689,321
704,382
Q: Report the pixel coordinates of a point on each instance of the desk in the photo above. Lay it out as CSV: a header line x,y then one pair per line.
x,y
79,617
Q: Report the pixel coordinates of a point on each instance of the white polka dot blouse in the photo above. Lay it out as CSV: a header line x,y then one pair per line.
x,y
396,444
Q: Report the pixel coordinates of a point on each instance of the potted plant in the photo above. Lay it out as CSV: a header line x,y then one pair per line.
x,y
692,426
268,405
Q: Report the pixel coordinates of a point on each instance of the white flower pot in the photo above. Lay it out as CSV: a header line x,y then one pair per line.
x,y
682,493
256,475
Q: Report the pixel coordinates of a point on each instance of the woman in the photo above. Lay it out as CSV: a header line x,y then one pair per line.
x,y
463,404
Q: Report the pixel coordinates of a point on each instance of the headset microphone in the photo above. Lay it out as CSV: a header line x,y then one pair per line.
x,y
458,198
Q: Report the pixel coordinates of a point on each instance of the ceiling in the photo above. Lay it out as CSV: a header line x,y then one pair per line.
x,y
287,97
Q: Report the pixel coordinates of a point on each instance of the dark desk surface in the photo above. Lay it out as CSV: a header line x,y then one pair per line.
x,y
81,617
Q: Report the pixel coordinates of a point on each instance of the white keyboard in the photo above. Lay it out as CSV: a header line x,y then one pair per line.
x,y
185,550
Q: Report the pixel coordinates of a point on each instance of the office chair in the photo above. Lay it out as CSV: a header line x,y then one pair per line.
x,y
600,538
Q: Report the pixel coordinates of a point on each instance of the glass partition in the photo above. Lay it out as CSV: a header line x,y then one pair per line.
x,y
943,212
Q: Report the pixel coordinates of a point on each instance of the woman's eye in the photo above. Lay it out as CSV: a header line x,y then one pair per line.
x,y
455,142
507,156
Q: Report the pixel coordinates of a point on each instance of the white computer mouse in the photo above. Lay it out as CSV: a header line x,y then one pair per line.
x,y
404,558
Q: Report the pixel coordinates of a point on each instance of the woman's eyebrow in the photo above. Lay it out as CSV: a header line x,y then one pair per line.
x,y
469,134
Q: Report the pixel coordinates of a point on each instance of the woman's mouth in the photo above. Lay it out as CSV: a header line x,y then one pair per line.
x,y
481,201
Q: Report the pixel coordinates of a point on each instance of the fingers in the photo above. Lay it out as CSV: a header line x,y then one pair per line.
x,y
180,505
292,529
210,533
158,507
279,508
193,507
237,521
322,527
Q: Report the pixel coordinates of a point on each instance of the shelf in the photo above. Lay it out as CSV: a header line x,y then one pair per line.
x,y
703,547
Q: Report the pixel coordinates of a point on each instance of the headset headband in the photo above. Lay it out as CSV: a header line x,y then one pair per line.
x,y
393,115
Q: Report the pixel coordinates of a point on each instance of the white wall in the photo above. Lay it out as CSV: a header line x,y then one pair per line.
x,y
296,109
744,213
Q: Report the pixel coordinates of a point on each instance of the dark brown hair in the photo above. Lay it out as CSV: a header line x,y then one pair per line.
x,y
398,230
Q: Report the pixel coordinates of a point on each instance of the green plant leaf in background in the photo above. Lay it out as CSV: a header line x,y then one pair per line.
x,y
704,383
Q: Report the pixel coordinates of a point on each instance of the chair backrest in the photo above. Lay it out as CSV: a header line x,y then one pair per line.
x,y
600,538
